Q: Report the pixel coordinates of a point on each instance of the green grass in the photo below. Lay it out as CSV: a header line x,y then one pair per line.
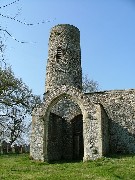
x,y
19,167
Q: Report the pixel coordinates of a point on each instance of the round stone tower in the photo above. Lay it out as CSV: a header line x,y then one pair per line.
x,y
64,57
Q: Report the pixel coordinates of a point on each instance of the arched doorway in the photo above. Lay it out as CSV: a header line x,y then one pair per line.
x,y
65,131
87,110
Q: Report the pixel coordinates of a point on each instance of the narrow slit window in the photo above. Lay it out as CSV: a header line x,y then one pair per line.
x,y
59,54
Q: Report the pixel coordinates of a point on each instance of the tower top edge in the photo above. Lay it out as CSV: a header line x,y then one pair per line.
x,y
64,26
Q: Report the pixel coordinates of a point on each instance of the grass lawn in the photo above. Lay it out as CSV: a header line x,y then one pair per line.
x,y
19,167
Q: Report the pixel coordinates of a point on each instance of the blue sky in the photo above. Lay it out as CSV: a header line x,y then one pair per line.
x,y
107,29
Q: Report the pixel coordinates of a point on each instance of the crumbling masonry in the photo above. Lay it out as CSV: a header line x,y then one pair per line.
x,y
73,125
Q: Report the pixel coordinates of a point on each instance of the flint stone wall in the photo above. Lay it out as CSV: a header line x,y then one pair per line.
x,y
119,106
37,135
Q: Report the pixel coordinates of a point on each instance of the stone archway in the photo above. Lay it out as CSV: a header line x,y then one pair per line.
x,y
51,99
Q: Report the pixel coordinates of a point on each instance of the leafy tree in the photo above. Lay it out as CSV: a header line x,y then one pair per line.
x,y
16,102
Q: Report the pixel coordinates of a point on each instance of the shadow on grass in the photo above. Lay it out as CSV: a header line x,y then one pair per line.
x,y
65,161
120,156
112,156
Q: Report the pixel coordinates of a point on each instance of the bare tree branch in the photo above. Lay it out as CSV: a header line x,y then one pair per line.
x,y
4,30
9,4
89,85
28,24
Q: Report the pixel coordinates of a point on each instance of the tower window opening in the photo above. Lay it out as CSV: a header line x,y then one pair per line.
x,y
59,54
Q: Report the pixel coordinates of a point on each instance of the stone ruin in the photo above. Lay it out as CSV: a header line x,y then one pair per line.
x,y
70,124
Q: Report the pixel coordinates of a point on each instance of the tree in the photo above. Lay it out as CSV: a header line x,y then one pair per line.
x,y
89,85
16,102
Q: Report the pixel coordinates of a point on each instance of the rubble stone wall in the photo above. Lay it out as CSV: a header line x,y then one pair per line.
x,y
37,135
119,106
